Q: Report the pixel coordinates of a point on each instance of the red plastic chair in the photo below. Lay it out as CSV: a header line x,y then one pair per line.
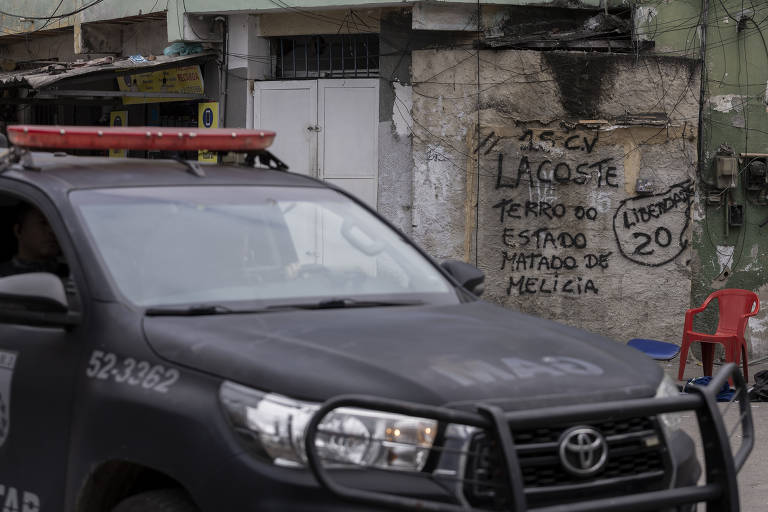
x,y
736,306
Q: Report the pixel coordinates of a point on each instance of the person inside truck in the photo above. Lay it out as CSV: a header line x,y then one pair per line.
x,y
37,249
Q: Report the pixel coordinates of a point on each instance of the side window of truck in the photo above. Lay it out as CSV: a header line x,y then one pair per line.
x,y
28,244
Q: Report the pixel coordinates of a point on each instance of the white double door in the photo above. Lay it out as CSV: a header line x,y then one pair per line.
x,y
325,128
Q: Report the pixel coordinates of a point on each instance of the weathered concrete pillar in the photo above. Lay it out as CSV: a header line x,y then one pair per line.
x,y
247,60
395,194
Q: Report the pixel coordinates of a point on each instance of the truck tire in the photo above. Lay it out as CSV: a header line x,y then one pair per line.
x,y
162,500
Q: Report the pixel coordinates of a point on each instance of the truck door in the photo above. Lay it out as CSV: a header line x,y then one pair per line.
x,y
37,376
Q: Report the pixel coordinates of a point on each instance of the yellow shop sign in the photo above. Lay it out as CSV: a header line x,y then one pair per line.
x,y
208,117
185,79
118,118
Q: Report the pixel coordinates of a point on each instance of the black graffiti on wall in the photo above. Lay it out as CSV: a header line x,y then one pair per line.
x,y
577,142
543,238
550,173
435,155
532,285
534,254
537,261
545,244
652,230
515,209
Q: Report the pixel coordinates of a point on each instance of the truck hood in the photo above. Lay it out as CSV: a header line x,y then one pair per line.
x,y
453,355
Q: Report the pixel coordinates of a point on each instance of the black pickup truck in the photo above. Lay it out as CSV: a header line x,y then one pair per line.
x,y
226,338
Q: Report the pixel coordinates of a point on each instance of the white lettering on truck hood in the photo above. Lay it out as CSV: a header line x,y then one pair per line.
x,y
475,371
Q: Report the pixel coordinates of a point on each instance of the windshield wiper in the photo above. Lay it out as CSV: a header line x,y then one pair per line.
x,y
194,310
341,303
217,309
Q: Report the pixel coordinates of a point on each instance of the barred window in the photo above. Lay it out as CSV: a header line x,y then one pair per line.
x,y
329,56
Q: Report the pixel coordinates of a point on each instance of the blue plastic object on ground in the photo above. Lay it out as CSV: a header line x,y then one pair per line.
x,y
724,395
659,350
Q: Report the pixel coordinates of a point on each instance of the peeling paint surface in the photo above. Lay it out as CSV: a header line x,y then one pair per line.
x,y
757,329
728,103
753,264
724,256
698,208
401,110
765,100
644,19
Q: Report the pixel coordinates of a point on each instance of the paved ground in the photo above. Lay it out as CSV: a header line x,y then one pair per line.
x,y
753,479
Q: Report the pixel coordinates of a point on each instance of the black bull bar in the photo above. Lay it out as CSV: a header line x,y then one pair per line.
x,y
720,490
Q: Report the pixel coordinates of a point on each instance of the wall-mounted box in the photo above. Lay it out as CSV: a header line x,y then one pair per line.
x,y
726,170
644,187
736,215
757,174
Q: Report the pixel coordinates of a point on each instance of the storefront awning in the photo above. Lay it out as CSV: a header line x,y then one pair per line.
x,y
70,80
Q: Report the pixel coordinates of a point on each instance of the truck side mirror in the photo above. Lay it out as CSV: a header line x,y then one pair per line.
x,y
35,298
468,276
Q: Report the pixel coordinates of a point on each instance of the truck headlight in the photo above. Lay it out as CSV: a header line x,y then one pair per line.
x,y
276,427
667,388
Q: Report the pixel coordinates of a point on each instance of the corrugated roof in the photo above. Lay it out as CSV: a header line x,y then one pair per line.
x,y
43,77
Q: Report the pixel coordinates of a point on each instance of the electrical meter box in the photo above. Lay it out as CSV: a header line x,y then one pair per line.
x,y
757,174
727,169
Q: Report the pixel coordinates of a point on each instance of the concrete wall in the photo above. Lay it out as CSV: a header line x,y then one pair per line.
x,y
552,213
248,60
35,8
181,14
144,38
116,10
395,192
46,8
50,47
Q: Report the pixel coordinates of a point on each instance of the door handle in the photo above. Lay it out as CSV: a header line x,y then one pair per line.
x,y
314,128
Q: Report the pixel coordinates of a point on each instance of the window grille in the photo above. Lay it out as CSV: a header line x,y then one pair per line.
x,y
330,56
45,114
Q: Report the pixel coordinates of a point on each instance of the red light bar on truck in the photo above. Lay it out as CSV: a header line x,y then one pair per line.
x,y
153,138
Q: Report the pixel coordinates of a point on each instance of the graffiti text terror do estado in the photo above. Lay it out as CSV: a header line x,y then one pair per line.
x,y
513,209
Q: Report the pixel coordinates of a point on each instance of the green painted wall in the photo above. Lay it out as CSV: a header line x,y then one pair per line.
x,y
735,112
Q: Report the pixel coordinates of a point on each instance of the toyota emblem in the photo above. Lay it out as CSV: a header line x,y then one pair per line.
x,y
583,451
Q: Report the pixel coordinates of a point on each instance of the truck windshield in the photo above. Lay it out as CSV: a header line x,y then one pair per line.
x,y
212,244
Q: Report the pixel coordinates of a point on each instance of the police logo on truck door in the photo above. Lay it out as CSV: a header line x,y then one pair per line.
x,y
7,364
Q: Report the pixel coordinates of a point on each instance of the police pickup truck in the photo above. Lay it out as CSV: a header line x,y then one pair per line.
x,y
178,337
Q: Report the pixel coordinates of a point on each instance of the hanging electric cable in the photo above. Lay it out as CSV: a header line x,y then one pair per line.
x,y
55,16
703,84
